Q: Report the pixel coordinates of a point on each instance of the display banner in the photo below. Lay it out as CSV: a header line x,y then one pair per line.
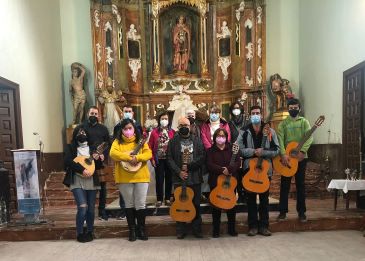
x,y
27,185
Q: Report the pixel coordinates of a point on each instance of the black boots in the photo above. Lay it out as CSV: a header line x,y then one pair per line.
x,y
131,220
141,217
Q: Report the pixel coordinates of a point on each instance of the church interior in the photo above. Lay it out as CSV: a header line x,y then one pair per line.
x,y
60,57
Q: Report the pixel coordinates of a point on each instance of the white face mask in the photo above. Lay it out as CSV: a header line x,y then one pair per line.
x,y
164,123
236,112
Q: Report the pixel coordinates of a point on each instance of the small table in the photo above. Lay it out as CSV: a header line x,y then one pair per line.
x,y
345,185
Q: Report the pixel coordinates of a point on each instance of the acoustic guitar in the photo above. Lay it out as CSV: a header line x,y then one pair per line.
x,y
292,150
182,209
256,179
88,161
223,195
133,168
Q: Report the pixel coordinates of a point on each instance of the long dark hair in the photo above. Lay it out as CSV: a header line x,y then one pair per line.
x,y
231,108
216,134
124,123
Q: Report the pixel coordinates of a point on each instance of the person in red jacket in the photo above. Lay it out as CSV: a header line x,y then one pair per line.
x,y
211,125
159,139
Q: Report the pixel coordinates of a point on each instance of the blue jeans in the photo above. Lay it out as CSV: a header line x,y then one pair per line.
x,y
85,200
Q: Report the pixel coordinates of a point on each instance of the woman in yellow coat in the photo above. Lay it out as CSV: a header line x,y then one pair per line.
x,y
133,185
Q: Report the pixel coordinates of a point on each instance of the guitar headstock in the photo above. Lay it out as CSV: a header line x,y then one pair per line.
x,y
235,148
319,121
186,156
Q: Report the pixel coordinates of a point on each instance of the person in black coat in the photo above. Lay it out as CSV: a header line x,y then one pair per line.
x,y
83,183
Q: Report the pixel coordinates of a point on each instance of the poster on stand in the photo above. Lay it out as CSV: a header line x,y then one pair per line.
x,y
27,185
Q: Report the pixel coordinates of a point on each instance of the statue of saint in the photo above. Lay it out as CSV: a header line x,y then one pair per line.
x,y
78,95
111,112
181,102
181,43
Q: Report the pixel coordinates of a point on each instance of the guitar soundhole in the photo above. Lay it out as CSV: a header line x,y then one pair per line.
x,y
183,210
222,198
88,161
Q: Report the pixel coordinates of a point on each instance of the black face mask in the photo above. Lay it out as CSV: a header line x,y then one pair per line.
x,y
192,120
293,113
81,138
184,131
93,120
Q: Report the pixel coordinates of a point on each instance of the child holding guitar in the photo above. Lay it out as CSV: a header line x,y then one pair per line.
x,y
293,128
131,153
222,164
259,143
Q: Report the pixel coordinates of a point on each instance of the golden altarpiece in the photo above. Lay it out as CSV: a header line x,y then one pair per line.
x,y
207,51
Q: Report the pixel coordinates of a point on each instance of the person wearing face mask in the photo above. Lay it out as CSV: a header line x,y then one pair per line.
x,y
236,125
127,113
211,125
207,130
177,145
97,134
194,127
158,143
132,185
82,183
250,143
294,128
218,163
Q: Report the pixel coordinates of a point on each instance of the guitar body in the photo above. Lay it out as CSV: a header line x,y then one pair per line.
x,y
182,209
256,180
293,161
129,167
223,195
86,162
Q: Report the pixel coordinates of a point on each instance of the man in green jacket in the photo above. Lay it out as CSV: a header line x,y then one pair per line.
x,y
293,128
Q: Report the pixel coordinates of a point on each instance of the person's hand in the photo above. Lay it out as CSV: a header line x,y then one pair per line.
x,y
86,173
183,175
285,160
133,161
102,157
225,171
301,156
153,163
258,152
95,156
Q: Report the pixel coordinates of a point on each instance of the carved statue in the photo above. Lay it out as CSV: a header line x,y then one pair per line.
x,y
181,43
77,92
281,90
111,111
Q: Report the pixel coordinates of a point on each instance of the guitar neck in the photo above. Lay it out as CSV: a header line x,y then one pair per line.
x,y
139,146
306,137
263,142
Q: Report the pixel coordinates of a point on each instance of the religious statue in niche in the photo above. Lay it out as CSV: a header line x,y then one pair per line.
x,y
281,91
77,92
111,112
181,43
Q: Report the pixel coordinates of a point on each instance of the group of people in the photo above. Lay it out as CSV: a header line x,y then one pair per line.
x,y
210,152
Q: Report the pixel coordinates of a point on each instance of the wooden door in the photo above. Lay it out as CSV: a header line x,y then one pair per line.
x,y
10,129
353,115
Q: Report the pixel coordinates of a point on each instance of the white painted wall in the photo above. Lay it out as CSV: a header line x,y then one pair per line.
x,y
282,40
332,40
31,55
76,47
